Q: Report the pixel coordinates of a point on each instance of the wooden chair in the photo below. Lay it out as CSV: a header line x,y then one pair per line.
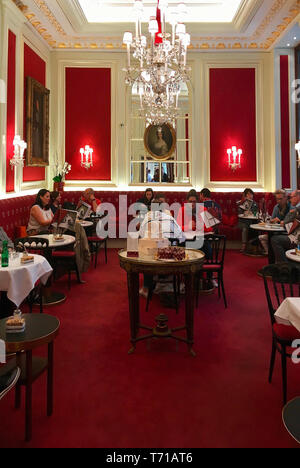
x,y
67,260
95,244
214,263
9,376
284,281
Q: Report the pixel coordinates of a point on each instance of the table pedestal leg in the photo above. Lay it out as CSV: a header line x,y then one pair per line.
x,y
189,280
28,398
134,314
50,380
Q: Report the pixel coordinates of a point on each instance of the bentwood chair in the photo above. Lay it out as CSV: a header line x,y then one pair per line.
x,y
38,246
213,267
8,378
284,281
95,244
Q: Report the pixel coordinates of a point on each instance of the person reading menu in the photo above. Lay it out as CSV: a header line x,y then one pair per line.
x,y
88,197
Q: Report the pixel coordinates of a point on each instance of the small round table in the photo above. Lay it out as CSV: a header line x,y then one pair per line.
x,y
40,329
53,244
270,229
19,279
86,224
188,268
51,297
291,418
291,255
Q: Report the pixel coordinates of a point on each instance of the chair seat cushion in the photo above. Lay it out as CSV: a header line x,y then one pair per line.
x,y
95,239
286,332
211,267
63,253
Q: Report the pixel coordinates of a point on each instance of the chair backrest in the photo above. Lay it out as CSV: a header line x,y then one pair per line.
x,y
216,244
37,245
281,280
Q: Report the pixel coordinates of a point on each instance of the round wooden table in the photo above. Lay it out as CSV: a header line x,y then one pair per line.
x,y
188,268
40,329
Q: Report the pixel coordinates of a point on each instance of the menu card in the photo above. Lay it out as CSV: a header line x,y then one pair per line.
x,y
132,244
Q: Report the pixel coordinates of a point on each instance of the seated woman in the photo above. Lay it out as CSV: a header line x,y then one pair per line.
x,y
246,207
55,201
147,198
41,216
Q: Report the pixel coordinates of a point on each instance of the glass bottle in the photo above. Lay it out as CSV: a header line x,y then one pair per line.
x,y
4,255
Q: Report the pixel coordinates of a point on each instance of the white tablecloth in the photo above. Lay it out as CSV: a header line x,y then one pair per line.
x,y
289,312
18,280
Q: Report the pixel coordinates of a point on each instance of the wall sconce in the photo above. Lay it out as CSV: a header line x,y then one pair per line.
x,y
18,157
234,158
86,157
297,148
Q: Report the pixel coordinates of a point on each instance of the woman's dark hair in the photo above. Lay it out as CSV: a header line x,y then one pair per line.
x,y
248,190
53,196
149,190
192,193
38,200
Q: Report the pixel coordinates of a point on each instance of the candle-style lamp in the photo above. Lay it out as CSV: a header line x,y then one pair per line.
x,y
86,157
234,158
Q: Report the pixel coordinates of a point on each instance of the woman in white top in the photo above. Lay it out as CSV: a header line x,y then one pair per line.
x,y
41,215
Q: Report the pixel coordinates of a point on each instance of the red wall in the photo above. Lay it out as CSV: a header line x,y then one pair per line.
x,y
232,122
285,121
35,67
88,121
11,110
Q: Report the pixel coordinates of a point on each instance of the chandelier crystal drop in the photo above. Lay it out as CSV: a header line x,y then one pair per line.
x,y
158,68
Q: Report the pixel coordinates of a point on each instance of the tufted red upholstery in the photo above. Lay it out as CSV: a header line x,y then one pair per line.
x,y
15,211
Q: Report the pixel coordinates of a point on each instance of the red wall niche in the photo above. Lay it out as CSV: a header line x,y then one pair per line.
x,y
232,123
35,67
11,110
88,121
285,122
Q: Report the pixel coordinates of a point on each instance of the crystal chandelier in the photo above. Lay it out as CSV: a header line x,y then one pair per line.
x,y
158,68
86,157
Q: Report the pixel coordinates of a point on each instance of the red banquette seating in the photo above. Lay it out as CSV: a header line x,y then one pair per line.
x,y
14,212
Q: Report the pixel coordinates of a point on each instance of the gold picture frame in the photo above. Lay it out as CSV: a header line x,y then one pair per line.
x,y
160,141
37,123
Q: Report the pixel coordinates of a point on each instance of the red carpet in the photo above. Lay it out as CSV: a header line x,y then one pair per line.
x,y
158,397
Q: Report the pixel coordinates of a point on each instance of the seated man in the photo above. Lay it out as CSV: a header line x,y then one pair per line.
x,y
246,207
281,209
212,206
88,197
282,242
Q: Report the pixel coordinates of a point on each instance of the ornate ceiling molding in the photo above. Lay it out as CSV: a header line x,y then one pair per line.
x,y
276,20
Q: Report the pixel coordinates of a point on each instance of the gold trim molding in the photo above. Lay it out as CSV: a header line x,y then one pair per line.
x,y
202,43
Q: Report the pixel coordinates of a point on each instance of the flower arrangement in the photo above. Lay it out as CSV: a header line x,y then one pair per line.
x,y
61,171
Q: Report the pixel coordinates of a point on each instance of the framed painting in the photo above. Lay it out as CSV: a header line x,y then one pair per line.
x,y
160,141
37,123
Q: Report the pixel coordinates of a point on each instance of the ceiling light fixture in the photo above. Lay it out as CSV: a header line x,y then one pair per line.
x,y
158,68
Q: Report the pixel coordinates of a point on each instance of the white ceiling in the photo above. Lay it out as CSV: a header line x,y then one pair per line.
x,y
198,11
246,25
